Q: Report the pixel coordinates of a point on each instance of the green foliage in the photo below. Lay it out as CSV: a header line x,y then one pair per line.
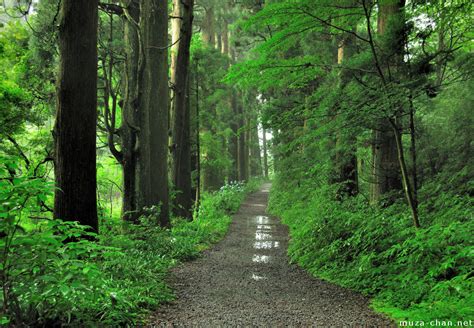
x,y
446,145
212,96
323,109
14,100
228,198
24,107
48,278
60,273
419,275
109,189
11,107
48,272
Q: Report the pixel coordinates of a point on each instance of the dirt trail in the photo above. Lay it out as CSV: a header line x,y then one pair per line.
x,y
246,280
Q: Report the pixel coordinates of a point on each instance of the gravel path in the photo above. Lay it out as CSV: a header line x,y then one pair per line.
x,y
246,280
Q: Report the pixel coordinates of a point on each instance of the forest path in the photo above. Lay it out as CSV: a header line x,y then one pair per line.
x,y
246,280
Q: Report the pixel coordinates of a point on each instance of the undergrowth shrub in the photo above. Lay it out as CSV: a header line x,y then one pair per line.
x,y
228,198
60,274
46,273
423,274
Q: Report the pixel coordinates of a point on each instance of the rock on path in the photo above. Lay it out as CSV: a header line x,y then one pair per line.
x,y
246,281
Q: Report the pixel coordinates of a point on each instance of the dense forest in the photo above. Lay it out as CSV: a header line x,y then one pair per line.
x,y
132,130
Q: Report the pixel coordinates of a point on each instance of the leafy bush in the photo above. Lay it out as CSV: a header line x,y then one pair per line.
x,y
58,273
423,274
42,275
48,280
226,197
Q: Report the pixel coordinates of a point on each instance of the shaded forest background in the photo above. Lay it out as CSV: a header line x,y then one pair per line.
x,y
128,129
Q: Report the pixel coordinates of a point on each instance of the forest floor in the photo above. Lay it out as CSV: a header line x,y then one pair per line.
x,y
246,280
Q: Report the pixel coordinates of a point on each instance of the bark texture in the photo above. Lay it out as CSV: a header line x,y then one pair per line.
x,y
76,117
154,102
255,156
181,146
225,38
130,113
265,154
234,124
234,140
243,149
386,170
176,24
208,33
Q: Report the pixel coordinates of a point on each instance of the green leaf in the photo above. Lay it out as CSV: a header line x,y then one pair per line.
x,y
64,289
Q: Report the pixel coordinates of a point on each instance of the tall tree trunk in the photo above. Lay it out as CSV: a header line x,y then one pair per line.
x,y
247,147
391,28
218,44
234,124
255,156
346,160
198,140
207,28
243,150
386,168
129,129
181,147
153,95
177,21
76,116
225,39
234,139
265,154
